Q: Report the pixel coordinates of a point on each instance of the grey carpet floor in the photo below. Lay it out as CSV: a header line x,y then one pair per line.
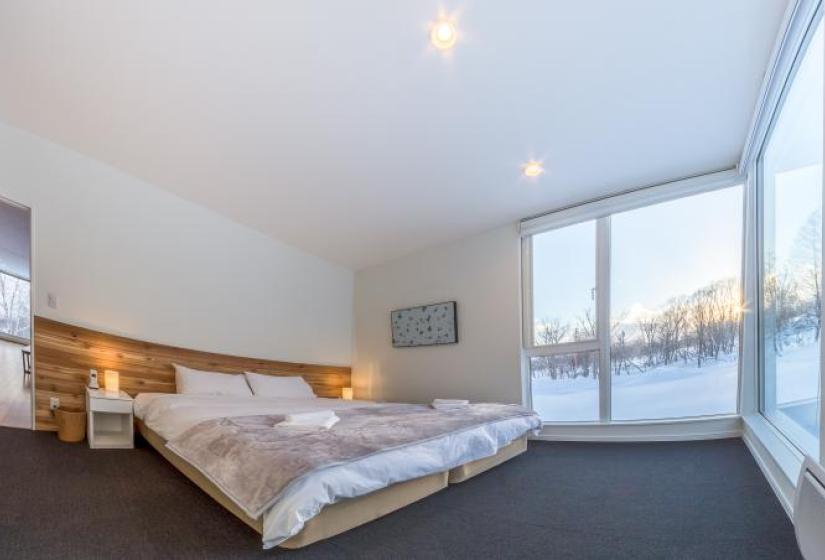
x,y
559,500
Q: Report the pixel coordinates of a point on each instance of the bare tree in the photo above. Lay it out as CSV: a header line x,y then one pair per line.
x,y
586,328
14,305
807,263
781,298
649,328
551,332
672,330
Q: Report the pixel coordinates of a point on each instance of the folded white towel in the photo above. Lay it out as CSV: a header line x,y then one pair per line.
x,y
449,404
320,418
313,416
463,402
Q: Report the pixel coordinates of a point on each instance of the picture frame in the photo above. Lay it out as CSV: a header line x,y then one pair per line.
x,y
432,324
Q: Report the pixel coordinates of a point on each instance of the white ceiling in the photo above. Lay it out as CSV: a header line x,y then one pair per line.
x,y
334,126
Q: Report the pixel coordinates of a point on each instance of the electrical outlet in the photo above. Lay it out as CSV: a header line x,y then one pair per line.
x,y
51,301
54,403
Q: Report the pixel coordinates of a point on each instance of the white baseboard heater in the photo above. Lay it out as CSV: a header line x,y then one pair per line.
x,y
809,510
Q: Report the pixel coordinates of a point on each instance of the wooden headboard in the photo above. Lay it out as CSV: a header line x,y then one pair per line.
x,y
64,354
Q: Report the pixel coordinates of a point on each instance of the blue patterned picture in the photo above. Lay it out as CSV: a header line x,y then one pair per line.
x,y
425,325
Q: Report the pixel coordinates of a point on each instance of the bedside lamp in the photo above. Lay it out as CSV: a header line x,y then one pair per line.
x,y
346,393
112,382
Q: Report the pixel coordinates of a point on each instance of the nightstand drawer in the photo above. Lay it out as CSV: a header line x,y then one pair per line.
x,y
110,405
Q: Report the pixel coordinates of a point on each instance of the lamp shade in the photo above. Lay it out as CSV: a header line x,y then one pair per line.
x,y
112,381
346,393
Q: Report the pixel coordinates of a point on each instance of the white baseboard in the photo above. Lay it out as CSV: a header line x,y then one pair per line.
x,y
764,463
778,460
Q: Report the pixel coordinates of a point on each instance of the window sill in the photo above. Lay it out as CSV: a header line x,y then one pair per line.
x,y
708,427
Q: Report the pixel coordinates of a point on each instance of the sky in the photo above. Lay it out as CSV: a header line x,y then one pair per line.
x,y
657,252
798,193
793,156
675,248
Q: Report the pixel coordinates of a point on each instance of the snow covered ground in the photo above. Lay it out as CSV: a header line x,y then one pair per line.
x,y
677,390
567,400
665,392
797,392
797,374
680,390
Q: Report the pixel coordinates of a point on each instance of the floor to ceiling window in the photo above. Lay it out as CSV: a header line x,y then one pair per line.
x,y
790,187
635,315
674,307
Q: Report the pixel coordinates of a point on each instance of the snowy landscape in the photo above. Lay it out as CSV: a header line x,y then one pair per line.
x,y
680,391
680,359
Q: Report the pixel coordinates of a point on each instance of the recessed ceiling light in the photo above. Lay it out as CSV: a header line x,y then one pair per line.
x,y
443,34
533,169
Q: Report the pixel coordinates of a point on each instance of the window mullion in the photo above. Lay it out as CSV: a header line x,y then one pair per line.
x,y
603,314
527,334
564,348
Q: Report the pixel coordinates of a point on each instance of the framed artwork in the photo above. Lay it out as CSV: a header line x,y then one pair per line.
x,y
425,325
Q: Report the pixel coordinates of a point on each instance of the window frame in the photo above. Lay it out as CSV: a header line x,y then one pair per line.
x,y
601,211
602,287
791,432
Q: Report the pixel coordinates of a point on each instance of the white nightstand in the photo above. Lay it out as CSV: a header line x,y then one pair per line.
x,y
111,424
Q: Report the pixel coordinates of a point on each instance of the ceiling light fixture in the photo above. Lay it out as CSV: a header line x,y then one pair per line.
x,y
443,34
533,169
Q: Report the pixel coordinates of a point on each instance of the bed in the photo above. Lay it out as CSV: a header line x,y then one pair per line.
x,y
340,494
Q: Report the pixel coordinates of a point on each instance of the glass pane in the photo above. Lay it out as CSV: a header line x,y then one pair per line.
x,y
564,284
792,272
566,387
14,307
675,306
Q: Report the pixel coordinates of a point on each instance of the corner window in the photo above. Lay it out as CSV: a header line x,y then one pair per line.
x,y
790,190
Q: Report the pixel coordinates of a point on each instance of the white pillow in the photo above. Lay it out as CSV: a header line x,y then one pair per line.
x,y
279,387
195,382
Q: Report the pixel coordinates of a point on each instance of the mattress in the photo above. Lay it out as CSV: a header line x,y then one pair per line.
x,y
171,415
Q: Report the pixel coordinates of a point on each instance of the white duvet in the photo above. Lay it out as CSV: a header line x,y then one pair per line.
x,y
170,415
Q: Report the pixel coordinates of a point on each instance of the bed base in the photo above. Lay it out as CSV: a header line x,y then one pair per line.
x,y
473,468
196,476
349,513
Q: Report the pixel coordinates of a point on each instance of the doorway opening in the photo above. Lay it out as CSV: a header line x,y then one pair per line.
x,y
16,364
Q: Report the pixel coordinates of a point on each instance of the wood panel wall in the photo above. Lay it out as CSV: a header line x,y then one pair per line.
x,y
64,354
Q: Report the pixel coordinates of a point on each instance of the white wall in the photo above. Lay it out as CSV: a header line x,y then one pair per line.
x,y
482,274
128,258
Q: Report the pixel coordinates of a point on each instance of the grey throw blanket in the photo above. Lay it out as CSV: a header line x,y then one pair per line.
x,y
253,462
